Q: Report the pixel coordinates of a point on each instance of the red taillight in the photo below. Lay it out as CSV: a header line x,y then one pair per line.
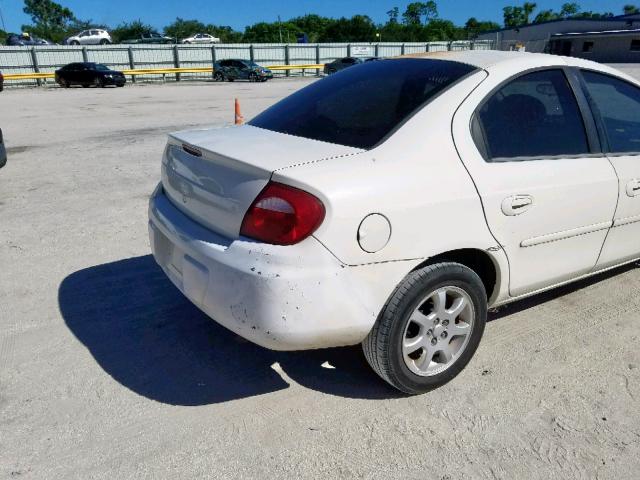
x,y
282,215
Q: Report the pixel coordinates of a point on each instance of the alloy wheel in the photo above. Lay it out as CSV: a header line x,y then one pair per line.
x,y
438,331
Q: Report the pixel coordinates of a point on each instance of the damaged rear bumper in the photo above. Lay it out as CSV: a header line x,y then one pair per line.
x,y
283,298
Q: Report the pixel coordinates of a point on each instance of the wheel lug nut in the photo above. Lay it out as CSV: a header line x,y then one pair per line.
x,y
434,341
444,335
429,333
445,323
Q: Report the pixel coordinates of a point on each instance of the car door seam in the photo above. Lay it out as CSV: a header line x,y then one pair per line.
x,y
473,182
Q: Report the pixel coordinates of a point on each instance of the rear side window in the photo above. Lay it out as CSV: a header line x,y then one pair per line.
x,y
618,104
361,105
535,115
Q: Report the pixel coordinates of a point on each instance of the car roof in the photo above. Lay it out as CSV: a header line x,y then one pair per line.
x,y
518,61
485,59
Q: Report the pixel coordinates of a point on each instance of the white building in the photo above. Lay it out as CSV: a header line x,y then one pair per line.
x,y
607,39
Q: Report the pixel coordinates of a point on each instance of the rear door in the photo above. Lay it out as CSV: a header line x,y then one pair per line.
x,y
616,104
548,192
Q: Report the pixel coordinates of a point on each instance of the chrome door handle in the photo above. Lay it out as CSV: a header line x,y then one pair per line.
x,y
633,188
516,204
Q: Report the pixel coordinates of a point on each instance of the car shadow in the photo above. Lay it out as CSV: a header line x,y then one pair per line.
x,y
147,336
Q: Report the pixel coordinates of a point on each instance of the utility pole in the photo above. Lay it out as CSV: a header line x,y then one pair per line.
x,y
2,19
280,28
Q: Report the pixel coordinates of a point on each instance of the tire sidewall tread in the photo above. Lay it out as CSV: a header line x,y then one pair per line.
x,y
380,345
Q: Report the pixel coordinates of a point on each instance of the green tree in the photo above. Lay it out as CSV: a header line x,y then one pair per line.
x,y
528,8
313,25
515,16
569,10
184,28
630,9
225,33
359,28
473,27
416,10
50,19
264,32
546,16
130,30
393,15
438,29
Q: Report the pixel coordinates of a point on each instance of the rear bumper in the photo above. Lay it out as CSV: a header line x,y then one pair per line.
x,y
283,298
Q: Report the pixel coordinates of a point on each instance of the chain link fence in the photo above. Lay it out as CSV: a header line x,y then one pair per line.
x,y
47,59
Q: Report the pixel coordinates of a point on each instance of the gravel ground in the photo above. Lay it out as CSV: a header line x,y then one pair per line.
x,y
107,372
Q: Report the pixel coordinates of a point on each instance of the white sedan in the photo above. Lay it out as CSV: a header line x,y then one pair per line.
x,y
395,202
201,38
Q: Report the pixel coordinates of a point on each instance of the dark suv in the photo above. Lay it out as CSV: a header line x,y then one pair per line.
x,y
233,69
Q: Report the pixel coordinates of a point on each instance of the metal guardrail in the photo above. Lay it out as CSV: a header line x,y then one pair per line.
x,y
159,71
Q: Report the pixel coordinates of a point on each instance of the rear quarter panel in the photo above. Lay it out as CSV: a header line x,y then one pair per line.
x,y
415,179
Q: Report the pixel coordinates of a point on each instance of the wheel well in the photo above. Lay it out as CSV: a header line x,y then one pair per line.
x,y
477,260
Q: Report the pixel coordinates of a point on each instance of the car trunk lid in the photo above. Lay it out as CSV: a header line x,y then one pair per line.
x,y
214,175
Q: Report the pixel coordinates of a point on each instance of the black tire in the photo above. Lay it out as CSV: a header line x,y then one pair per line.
x,y
218,77
383,345
253,77
104,41
100,82
230,79
74,42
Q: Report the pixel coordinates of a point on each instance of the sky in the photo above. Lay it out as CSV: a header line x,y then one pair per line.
x,y
240,13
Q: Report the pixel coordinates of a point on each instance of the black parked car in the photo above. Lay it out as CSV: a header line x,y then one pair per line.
x,y
346,62
233,69
26,40
1,82
88,74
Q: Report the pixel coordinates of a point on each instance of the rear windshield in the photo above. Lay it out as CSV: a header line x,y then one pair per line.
x,y
361,105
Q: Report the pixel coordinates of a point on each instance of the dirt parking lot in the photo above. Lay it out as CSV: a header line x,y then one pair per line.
x,y
107,372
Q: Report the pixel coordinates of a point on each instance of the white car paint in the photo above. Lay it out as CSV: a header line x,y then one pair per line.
x,y
428,180
93,36
201,38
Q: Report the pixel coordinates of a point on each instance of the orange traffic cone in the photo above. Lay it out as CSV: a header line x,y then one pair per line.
x,y
239,117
